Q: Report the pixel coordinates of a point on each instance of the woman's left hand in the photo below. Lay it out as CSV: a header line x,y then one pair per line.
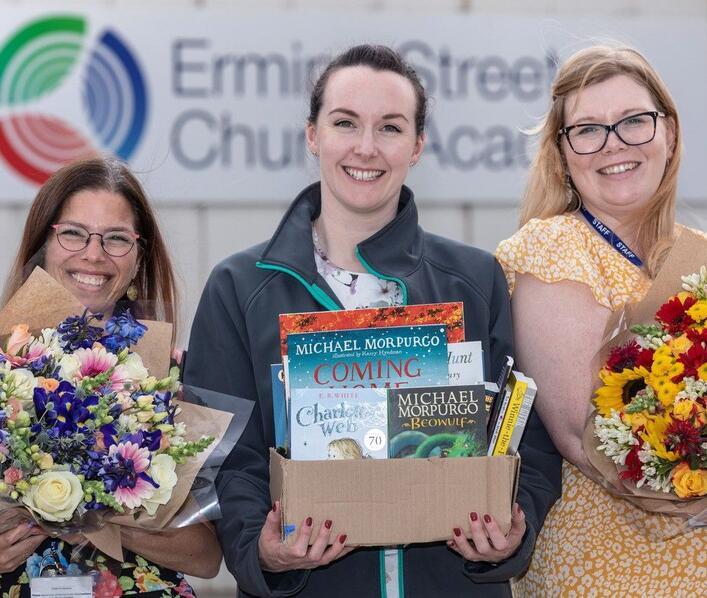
x,y
487,540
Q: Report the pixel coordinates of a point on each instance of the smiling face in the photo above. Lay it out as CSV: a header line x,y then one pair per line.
x,y
366,140
619,181
95,278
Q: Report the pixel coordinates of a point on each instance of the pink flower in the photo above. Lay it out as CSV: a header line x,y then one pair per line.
x,y
95,361
18,339
15,408
125,476
107,586
12,475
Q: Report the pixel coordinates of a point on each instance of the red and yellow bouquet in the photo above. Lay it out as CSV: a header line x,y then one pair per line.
x,y
648,437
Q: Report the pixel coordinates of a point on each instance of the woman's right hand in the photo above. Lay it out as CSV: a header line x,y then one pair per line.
x,y
277,557
19,541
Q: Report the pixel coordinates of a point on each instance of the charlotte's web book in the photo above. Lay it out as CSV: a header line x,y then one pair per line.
x,y
368,357
348,423
449,314
437,421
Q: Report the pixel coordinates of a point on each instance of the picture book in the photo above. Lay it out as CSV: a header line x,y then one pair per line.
x,y
279,406
441,421
368,357
513,416
348,423
466,363
498,393
450,314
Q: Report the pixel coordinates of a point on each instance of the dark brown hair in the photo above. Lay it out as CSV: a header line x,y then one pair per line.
x,y
379,58
155,279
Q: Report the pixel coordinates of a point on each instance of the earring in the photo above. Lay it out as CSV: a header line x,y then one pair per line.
x,y
574,201
131,293
412,164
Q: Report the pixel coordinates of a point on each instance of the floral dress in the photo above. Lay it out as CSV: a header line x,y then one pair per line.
x,y
134,576
592,543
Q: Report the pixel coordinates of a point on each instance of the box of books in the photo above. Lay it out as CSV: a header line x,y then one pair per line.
x,y
385,420
385,502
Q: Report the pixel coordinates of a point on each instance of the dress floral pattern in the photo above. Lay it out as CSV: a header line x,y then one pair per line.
x,y
593,544
355,290
112,579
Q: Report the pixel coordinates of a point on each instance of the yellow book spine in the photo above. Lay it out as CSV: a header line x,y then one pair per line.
x,y
510,417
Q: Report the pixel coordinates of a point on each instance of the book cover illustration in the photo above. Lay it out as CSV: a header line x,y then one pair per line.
x,y
450,314
368,357
346,423
438,421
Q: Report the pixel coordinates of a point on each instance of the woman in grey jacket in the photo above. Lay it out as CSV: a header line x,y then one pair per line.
x,y
350,241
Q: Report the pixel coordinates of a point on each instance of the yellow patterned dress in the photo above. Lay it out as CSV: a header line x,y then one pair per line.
x,y
593,544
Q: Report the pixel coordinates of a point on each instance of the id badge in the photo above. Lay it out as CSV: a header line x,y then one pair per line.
x,y
62,587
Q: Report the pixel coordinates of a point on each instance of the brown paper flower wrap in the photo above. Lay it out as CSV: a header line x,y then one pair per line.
x,y
688,254
40,303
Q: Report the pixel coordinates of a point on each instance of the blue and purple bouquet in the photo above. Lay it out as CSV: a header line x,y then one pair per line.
x,y
84,428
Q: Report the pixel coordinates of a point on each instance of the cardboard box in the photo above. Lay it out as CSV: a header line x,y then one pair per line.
x,y
379,502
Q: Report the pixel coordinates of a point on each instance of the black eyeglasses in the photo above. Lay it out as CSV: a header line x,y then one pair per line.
x,y
74,237
590,138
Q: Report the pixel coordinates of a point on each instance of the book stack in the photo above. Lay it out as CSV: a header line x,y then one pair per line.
x,y
396,382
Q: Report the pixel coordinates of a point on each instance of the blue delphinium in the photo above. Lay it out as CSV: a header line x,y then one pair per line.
x,y
76,332
122,331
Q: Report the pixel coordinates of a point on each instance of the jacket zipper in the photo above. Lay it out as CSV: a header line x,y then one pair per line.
x,y
319,295
370,269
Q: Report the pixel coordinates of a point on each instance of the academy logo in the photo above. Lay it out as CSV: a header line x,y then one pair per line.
x,y
35,62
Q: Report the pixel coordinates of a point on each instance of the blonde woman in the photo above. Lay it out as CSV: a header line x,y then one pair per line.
x,y
597,220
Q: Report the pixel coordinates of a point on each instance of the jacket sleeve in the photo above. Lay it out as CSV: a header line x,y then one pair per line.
x,y
540,473
219,359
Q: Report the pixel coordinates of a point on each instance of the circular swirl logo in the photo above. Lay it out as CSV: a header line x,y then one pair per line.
x,y
35,63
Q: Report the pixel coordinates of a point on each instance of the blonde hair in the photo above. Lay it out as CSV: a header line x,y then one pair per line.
x,y
548,185
348,448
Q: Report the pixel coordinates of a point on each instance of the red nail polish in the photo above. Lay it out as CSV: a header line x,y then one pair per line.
x,y
473,516
457,532
327,524
342,538
487,518
274,507
308,523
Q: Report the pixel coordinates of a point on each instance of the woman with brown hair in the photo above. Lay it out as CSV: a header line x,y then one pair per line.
x,y
92,228
598,218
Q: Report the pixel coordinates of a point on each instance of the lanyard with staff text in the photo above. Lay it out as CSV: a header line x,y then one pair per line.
x,y
611,237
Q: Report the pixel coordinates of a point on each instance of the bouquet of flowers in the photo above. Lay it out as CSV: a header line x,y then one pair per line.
x,y
83,426
652,419
647,440
89,439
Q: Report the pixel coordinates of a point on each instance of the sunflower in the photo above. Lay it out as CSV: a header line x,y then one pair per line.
x,y
618,388
655,435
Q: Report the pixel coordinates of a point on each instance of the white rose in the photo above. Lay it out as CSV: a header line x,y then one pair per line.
x,y
21,384
134,369
162,471
55,496
70,367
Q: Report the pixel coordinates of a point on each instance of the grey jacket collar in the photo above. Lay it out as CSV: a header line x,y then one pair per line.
x,y
395,250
